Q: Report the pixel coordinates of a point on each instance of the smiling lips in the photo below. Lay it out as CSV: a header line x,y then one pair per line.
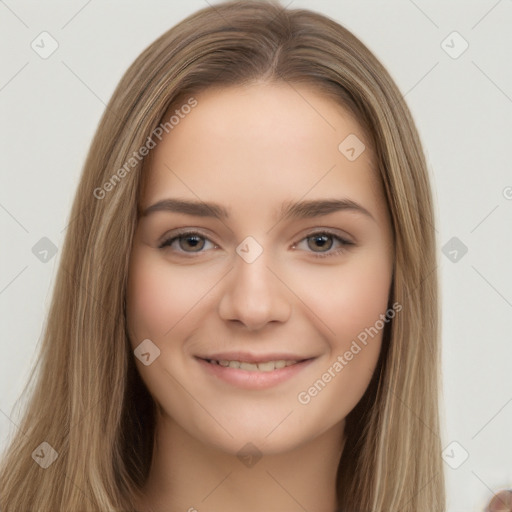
x,y
253,371
267,366
254,362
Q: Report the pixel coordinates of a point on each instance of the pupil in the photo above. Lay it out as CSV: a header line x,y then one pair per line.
x,y
322,240
194,241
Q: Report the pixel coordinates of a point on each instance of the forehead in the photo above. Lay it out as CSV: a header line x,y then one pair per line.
x,y
260,145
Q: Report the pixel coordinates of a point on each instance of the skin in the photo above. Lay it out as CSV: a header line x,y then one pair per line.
x,y
501,502
250,149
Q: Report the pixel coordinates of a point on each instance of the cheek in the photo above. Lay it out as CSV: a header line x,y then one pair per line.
x,y
349,297
158,295
366,292
358,296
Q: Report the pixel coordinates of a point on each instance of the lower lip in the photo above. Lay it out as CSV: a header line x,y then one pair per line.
x,y
253,379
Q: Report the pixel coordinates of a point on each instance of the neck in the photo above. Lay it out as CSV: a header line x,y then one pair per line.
x,y
189,476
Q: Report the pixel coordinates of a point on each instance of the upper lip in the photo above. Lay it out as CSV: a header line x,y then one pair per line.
x,y
246,357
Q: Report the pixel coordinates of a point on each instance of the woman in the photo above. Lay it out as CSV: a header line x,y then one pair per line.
x,y
246,310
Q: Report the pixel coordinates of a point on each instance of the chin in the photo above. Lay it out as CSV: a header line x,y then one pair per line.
x,y
257,446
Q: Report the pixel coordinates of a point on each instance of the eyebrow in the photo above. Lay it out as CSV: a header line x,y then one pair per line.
x,y
289,209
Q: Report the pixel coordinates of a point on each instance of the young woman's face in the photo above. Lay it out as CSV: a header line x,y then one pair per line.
x,y
219,272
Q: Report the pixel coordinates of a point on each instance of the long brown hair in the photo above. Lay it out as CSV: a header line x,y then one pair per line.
x,y
88,402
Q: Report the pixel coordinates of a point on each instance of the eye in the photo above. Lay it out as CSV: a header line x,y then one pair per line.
x,y
196,242
325,240
187,240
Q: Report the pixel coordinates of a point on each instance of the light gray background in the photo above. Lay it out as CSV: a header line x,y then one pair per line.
x,y
463,109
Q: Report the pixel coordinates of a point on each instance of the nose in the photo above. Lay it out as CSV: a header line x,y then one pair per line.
x,y
254,295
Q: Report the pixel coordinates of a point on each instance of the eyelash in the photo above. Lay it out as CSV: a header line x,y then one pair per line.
x,y
344,243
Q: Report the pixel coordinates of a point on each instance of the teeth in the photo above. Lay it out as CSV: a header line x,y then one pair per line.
x,y
248,366
268,366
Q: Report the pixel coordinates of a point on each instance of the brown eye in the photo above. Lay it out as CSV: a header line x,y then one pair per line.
x,y
322,244
195,242
321,241
188,242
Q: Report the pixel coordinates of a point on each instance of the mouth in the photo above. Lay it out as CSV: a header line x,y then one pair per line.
x,y
254,374
262,366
